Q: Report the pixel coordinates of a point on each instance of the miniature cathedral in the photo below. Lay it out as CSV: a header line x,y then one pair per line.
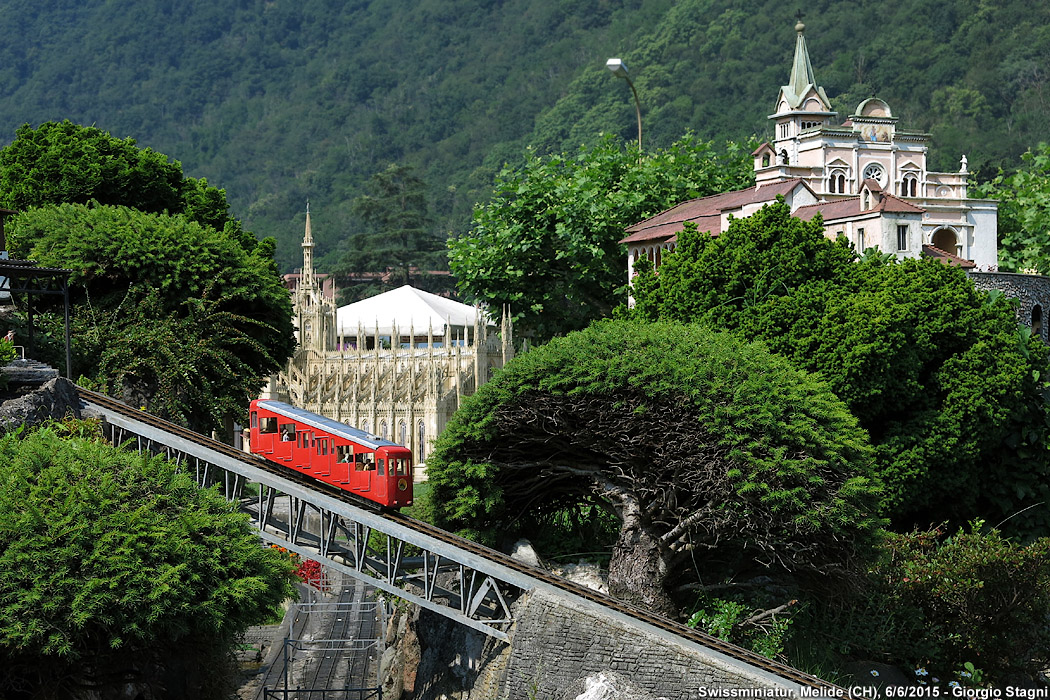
x,y
396,365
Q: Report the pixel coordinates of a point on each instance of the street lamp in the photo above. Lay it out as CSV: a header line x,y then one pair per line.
x,y
619,69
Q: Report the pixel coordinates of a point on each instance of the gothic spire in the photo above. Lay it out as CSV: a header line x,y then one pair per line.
x,y
307,279
803,81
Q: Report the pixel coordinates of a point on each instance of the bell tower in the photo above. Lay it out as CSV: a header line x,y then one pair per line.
x,y
801,104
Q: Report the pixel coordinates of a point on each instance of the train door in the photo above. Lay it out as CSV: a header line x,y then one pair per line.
x,y
285,447
344,463
304,442
263,433
324,454
363,477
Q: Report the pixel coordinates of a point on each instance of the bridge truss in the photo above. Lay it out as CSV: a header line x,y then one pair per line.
x,y
391,556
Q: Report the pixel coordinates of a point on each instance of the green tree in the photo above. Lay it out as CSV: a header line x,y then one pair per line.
x,y
117,566
940,375
399,244
164,307
63,162
718,459
547,245
1024,212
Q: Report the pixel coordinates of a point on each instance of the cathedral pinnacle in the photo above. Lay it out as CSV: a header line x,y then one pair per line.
x,y
802,87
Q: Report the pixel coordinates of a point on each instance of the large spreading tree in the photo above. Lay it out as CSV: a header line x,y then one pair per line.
x,y
950,388
175,307
719,460
120,573
546,246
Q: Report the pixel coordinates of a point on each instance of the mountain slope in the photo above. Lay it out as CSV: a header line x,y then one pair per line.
x,y
281,102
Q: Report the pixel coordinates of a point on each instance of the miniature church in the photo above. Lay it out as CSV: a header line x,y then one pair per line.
x,y
866,177
396,365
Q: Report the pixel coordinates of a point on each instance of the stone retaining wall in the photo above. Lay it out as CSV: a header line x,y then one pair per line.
x,y
557,652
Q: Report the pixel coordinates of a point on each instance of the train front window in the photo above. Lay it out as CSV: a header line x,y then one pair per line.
x,y
401,466
268,424
255,419
382,467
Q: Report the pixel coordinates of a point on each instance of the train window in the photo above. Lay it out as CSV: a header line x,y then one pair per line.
x,y
255,419
382,467
359,462
345,454
287,432
268,424
370,461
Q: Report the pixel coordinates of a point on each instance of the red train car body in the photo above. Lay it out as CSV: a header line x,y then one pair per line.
x,y
333,452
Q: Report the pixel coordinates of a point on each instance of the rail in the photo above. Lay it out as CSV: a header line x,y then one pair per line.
x,y
457,578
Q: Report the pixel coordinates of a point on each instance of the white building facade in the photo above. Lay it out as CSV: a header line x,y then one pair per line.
x,y
867,177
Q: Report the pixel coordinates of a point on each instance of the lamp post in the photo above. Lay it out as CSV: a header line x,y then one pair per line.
x,y
619,69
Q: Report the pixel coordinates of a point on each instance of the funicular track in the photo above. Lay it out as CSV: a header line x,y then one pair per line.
x,y
416,561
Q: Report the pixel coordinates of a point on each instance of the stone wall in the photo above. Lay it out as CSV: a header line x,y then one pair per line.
x,y
563,651
1031,290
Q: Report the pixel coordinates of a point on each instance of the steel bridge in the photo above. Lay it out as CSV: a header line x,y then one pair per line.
x,y
402,557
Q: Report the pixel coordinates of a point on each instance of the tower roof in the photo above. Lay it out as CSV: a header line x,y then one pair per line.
x,y
803,83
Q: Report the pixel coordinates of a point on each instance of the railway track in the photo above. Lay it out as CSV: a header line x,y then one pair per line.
x,y
817,685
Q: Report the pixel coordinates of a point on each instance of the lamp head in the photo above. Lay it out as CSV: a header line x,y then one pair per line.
x,y
618,67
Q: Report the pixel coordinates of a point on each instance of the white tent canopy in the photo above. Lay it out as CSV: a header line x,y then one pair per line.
x,y
406,308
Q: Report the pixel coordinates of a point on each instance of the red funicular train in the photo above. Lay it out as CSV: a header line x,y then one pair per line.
x,y
333,452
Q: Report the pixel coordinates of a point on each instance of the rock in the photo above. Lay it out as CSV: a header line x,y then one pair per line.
x,y
524,552
586,574
54,400
605,685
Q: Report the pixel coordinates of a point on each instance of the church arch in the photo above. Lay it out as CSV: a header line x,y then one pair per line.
x,y
421,430
382,429
945,239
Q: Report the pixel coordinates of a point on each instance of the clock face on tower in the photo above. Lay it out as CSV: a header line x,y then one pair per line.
x,y
875,172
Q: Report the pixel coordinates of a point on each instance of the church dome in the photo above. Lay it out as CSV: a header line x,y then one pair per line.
x,y
873,107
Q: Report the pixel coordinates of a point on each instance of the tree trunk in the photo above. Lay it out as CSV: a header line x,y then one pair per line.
x,y
638,568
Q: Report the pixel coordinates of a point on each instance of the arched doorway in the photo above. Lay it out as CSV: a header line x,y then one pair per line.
x,y
1037,321
944,238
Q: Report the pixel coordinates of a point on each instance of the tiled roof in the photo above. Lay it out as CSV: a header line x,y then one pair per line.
x,y
706,212
946,257
848,208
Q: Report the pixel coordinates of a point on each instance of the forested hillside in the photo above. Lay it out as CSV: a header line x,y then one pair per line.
x,y
279,102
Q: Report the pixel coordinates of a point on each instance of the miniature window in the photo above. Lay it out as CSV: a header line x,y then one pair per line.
x,y
902,237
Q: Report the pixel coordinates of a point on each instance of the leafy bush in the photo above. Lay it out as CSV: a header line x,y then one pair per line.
x,y
113,560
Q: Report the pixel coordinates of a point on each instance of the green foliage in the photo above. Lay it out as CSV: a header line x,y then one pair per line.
x,y
734,621
547,245
60,163
937,372
946,603
1024,212
178,314
287,103
758,462
109,556
397,239
65,162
